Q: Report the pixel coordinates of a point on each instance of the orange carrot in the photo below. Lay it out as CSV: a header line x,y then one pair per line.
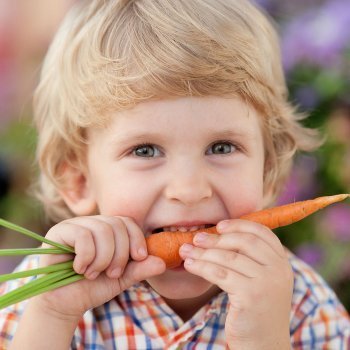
x,y
166,245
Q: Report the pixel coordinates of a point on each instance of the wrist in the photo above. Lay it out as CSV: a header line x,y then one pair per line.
x,y
40,324
39,306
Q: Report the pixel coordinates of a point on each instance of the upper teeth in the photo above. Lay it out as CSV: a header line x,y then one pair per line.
x,y
183,229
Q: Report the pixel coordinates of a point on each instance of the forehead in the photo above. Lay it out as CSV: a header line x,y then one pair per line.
x,y
189,116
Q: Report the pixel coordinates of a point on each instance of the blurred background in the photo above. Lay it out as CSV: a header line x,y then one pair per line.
x,y
315,41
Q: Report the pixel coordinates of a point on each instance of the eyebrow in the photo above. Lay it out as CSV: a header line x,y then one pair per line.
x,y
159,137
137,137
227,133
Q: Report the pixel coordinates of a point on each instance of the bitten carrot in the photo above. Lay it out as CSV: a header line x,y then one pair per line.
x,y
166,245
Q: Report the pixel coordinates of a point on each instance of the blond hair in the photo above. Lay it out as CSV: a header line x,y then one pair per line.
x,y
110,55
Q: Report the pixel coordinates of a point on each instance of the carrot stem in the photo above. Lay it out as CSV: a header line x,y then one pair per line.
x,y
34,235
34,272
31,251
31,288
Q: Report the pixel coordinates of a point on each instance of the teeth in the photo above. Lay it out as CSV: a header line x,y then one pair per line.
x,y
183,229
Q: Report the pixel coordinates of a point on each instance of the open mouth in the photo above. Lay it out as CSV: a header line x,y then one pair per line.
x,y
181,228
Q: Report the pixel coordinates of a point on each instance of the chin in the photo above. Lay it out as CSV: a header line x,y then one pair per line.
x,y
179,284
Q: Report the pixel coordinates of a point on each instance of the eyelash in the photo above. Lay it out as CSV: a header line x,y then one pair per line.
x,y
144,145
236,147
226,142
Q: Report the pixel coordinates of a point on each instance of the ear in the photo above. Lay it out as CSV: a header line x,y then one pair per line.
x,y
76,191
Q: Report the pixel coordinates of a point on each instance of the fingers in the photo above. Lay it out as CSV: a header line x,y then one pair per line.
x,y
101,243
225,278
100,239
127,234
248,238
76,236
223,258
240,253
246,244
137,271
260,231
138,248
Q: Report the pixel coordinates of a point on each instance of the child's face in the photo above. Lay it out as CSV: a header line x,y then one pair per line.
x,y
178,163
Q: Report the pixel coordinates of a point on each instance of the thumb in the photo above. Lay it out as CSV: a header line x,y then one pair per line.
x,y
137,271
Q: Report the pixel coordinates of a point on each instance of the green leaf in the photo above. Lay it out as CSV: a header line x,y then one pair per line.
x,y
30,251
36,287
34,235
34,272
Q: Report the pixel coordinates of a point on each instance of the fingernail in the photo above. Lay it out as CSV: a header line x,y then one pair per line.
x,y
189,261
115,273
223,224
81,270
186,248
142,252
200,237
92,275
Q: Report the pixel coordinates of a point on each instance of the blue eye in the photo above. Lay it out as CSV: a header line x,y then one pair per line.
x,y
221,148
146,151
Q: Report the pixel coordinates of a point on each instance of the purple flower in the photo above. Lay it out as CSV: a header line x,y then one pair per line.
x,y
307,97
336,222
312,254
318,36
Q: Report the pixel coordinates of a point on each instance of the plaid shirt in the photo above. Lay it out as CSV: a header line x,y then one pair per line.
x,y
140,319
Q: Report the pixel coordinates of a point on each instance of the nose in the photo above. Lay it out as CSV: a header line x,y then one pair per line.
x,y
189,185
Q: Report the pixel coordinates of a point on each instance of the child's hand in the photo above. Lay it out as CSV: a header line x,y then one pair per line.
x,y
103,246
249,263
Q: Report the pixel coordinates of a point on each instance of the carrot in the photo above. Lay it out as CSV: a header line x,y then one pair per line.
x,y
288,214
166,245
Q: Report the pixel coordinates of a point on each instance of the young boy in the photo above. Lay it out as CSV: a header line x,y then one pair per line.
x,y
169,115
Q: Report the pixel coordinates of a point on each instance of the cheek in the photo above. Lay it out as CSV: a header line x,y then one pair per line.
x,y
123,195
246,202
243,195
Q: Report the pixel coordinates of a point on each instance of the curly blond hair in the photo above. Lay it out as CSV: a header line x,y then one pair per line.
x,y
110,55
